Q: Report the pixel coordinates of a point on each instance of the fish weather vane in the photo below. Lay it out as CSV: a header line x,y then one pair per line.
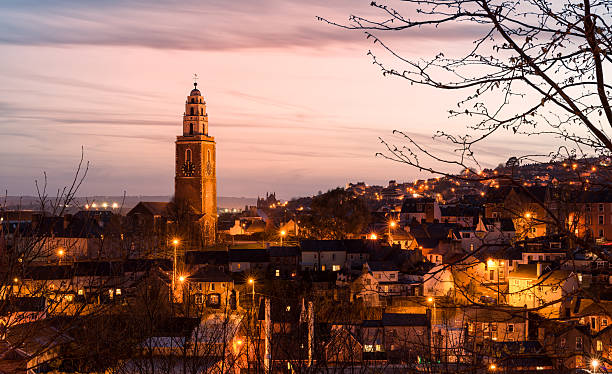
x,y
195,79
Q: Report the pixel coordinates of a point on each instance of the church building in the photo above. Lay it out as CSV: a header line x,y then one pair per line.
x,y
195,181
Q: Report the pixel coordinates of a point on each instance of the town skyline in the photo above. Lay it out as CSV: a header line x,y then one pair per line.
x,y
293,80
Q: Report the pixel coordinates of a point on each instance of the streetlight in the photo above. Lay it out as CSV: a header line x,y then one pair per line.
x,y
175,242
252,283
492,367
594,364
432,301
282,235
373,236
392,225
60,253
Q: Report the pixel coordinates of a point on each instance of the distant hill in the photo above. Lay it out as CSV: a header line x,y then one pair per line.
x,y
32,202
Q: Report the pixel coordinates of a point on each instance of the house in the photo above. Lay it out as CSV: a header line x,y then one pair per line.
x,y
420,209
246,259
211,286
538,286
377,280
284,261
323,255
403,337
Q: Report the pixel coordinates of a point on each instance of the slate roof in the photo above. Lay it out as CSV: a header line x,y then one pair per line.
x,y
404,319
153,208
207,257
210,274
290,251
382,266
248,255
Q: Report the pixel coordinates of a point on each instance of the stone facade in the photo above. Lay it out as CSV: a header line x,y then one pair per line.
x,y
195,177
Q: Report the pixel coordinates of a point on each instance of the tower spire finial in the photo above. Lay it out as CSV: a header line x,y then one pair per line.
x,y
195,80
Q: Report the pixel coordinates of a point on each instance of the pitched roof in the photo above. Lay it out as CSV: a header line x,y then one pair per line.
x,y
248,255
382,266
154,208
210,274
404,319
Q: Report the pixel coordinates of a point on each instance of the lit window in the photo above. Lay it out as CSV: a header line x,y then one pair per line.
x,y
599,346
81,292
368,348
277,272
336,267
118,291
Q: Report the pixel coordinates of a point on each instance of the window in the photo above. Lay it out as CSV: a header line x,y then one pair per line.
x,y
188,155
277,272
202,111
208,155
600,220
562,343
604,322
579,342
593,323
118,291
333,256
510,327
392,276
191,111
601,233
492,274
212,286
336,267
368,348
601,207
322,267
199,299
599,346
191,129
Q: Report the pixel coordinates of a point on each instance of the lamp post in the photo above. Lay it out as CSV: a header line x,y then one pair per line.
x,y
282,235
175,243
252,283
60,254
392,225
432,301
595,365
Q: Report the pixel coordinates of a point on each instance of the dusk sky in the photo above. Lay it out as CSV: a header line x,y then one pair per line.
x,y
295,105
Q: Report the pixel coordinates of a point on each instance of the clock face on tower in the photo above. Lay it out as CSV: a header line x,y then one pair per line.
x,y
188,169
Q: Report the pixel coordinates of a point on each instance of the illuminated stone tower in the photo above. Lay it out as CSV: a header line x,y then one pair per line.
x,y
195,182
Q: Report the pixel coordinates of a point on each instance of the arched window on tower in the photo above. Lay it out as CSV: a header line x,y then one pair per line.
x,y
188,155
192,100
191,129
208,155
201,111
191,110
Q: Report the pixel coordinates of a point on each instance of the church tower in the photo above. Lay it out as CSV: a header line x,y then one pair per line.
x,y
195,182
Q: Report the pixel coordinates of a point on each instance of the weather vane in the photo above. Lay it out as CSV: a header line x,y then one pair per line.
x,y
195,79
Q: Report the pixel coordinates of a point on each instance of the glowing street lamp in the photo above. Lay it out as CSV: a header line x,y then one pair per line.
x,y
181,279
527,215
595,365
431,301
492,367
60,254
252,283
373,236
282,235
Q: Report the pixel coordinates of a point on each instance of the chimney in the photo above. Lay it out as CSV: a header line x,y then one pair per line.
x,y
539,269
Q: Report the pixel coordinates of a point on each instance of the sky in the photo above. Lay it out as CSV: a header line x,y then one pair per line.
x,y
295,105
